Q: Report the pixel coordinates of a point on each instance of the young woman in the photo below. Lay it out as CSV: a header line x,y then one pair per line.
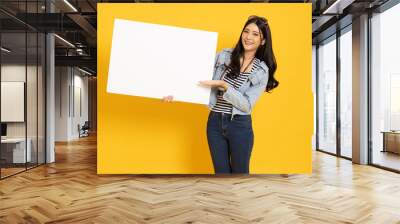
x,y
241,75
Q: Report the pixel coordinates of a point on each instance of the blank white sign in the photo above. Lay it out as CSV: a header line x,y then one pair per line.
x,y
152,60
12,101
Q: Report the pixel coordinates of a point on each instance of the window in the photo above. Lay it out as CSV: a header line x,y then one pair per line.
x,y
327,95
385,88
346,93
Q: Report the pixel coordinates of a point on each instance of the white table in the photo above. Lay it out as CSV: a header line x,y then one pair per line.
x,y
18,144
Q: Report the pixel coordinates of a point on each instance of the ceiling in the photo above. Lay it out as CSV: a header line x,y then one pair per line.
x,y
76,22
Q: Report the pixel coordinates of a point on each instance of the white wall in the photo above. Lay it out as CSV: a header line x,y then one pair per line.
x,y
16,72
71,93
33,127
81,81
62,81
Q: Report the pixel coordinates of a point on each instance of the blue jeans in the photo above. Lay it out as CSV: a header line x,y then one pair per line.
x,y
230,142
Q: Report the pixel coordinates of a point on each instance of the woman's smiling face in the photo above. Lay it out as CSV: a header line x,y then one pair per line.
x,y
252,37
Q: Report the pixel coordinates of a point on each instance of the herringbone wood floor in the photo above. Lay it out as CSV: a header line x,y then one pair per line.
x,y
70,191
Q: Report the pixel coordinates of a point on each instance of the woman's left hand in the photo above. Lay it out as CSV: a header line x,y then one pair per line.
x,y
214,84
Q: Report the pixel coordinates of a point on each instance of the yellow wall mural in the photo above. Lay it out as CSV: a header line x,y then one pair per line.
x,y
139,135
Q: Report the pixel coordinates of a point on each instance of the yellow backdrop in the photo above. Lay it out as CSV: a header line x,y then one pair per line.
x,y
145,136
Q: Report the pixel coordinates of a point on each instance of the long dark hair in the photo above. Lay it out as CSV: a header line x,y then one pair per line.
x,y
264,52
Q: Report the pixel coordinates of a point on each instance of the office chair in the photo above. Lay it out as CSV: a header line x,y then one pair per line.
x,y
84,130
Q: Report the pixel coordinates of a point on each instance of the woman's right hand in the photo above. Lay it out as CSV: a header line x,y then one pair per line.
x,y
167,99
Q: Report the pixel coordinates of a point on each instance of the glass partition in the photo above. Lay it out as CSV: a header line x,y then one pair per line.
x,y
22,63
14,153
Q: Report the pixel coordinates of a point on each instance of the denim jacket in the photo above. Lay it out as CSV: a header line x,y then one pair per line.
x,y
244,98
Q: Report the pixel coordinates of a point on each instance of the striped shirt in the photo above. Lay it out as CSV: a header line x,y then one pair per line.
x,y
223,105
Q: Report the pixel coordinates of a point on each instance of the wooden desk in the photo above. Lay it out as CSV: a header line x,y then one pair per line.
x,y
391,141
